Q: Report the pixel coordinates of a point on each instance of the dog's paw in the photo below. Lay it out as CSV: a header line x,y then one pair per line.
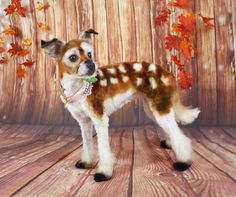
x,y
164,145
99,177
83,165
181,166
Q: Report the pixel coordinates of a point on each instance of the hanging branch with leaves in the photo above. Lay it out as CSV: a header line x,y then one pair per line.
x,y
179,40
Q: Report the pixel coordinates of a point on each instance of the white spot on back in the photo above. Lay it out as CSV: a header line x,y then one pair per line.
x,y
152,68
137,67
125,78
100,73
139,81
103,82
121,68
111,70
113,80
165,80
153,83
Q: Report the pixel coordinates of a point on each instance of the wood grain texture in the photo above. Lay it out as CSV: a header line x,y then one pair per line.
x,y
126,33
39,161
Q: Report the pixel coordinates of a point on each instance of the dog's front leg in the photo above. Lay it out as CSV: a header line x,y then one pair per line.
x,y
106,158
87,159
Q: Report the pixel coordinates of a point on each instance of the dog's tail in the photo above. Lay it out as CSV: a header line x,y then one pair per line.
x,y
184,114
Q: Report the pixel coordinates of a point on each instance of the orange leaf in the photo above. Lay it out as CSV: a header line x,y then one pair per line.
x,y
175,59
163,17
185,47
187,21
27,42
14,49
184,79
10,9
207,21
44,6
172,42
20,72
21,11
28,63
2,40
3,60
43,26
22,52
180,3
10,31
180,30
2,49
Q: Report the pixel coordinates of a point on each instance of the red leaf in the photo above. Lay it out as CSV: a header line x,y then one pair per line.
x,y
2,49
185,47
14,49
175,59
28,63
20,72
187,21
163,17
180,3
184,79
10,9
22,52
21,11
172,42
207,21
3,60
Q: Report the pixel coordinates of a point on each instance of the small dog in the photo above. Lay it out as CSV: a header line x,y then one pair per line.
x,y
117,84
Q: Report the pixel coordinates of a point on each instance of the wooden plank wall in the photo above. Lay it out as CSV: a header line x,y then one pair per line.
x,y
126,32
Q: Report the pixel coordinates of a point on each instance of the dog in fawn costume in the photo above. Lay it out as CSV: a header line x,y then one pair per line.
x,y
91,94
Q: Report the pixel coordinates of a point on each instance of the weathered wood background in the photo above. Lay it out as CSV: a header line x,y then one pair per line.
x,y
126,32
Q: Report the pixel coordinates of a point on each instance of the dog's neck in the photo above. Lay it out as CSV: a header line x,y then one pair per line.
x,y
71,84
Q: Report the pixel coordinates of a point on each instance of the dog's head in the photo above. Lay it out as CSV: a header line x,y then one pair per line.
x,y
74,57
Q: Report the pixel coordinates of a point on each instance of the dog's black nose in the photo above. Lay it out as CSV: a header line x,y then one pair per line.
x,y
91,66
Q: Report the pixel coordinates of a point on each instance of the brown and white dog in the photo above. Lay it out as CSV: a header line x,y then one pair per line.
x,y
117,84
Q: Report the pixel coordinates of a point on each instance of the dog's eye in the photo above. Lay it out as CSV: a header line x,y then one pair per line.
x,y
90,55
73,58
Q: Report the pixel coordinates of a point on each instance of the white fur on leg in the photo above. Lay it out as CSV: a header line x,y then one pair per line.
x,y
87,136
106,157
180,144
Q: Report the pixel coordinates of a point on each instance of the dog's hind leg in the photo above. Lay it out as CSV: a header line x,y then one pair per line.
x,y
180,143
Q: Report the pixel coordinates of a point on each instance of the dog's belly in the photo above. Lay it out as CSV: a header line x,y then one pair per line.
x,y
113,104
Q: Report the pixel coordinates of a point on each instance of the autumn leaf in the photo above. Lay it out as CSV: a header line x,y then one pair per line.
x,y
175,59
184,79
207,21
16,8
2,49
185,47
43,26
27,42
10,31
172,42
3,60
22,52
10,9
44,6
188,22
2,40
14,49
28,63
20,72
180,3
163,17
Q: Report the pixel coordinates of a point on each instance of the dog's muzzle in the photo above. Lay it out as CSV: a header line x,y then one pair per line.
x,y
90,66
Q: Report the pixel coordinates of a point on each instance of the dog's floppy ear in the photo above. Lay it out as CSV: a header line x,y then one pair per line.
x,y
86,35
53,47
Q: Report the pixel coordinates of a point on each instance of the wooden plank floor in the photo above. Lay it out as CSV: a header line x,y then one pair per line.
x,y
39,161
